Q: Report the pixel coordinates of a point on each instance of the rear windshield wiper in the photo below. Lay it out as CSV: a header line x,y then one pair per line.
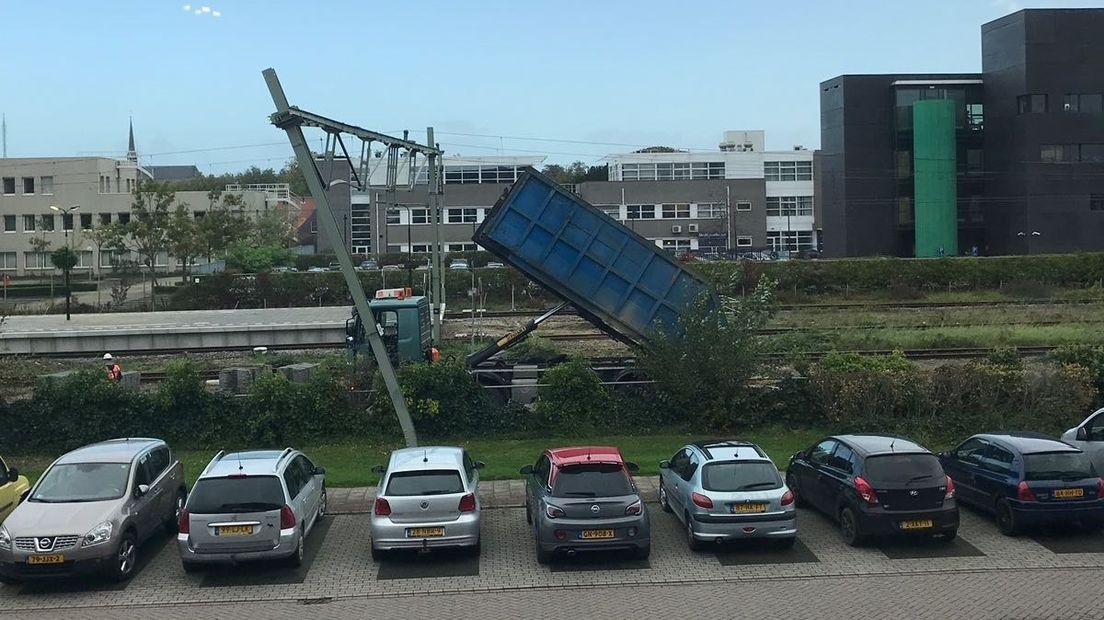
x,y
920,477
246,506
579,493
756,484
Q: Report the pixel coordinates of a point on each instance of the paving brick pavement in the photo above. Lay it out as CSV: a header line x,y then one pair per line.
x,y
1060,594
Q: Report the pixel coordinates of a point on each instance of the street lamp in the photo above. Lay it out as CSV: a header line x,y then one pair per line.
x,y
66,211
1027,240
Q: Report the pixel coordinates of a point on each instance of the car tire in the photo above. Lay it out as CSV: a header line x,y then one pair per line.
x,y
642,553
322,506
172,524
9,581
849,527
378,555
691,540
125,558
1006,518
664,503
786,543
191,567
799,500
543,555
295,560
475,550
528,513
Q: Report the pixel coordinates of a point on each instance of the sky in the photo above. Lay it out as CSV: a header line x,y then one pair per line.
x,y
573,80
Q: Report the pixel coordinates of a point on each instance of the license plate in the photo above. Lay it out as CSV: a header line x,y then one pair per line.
x,y
1065,493
918,524
746,508
425,532
595,534
46,559
234,530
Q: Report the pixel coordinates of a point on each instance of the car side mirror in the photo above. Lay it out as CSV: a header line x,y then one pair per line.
x,y
319,471
379,469
526,471
1082,434
141,490
13,474
632,467
480,464
665,464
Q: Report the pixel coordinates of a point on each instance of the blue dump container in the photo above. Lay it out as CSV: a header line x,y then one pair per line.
x,y
616,279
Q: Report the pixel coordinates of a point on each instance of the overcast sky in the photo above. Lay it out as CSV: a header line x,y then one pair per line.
x,y
584,78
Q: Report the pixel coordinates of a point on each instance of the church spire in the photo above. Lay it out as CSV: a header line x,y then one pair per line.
x,y
132,153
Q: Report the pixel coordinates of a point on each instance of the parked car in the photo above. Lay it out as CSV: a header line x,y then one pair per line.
x,y
727,490
428,499
459,263
1025,479
392,267
875,485
317,270
369,265
284,270
13,489
252,505
334,267
91,510
1089,436
583,499
495,265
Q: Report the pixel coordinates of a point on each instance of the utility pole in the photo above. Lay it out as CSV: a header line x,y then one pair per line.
x,y
437,282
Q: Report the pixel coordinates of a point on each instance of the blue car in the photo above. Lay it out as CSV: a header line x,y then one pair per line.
x,y
1026,479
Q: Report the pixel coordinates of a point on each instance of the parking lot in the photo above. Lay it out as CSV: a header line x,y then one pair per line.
x,y
338,566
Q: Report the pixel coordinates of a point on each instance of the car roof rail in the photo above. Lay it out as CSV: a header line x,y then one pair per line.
x,y
704,446
218,457
280,459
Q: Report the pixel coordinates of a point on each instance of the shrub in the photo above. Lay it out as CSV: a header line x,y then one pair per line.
x,y
1005,356
1089,357
573,398
534,348
443,399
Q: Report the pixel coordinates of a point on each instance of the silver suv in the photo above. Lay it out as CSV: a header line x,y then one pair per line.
x,y
91,510
255,505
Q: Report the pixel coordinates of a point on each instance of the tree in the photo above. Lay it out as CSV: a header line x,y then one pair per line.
x,y
107,236
184,238
273,227
148,229
65,259
576,172
222,225
39,244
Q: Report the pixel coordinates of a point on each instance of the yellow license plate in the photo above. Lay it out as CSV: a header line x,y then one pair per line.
x,y
46,559
918,524
426,532
746,508
1065,493
235,530
596,534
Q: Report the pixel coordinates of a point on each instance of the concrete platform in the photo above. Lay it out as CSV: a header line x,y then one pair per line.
x,y
192,330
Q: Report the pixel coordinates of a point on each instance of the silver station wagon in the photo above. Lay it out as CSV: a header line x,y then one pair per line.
x,y
727,490
428,498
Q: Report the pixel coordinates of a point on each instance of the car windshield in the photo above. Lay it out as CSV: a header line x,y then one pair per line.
x,y
431,482
1058,466
83,482
741,476
236,494
596,480
903,468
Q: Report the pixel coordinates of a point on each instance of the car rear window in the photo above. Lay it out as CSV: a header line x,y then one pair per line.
x,y
733,476
595,480
231,495
431,482
1058,466
901,468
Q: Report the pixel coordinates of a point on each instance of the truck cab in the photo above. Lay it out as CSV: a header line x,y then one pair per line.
x,y
402,320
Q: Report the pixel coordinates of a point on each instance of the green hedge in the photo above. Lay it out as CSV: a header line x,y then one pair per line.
x,y
43,290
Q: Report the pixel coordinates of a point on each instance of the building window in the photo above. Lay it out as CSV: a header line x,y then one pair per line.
x,y
1031,104
105,219
680,211
904,211
47,223
612,211
8,260
1096,202
130,186
640,212
1085,103
9,185
28,185
791,206
9,223
678,246
743,242
46,185
674,171
67,221
788,170
975,115
904,164
1052,153
743,205
419,216
716,210
86,221
36,260
28,223
1092,153
420,248
465,215
393,217
123,218
791,240
460,247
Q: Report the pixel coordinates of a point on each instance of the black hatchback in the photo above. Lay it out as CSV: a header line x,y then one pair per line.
x,y
875,485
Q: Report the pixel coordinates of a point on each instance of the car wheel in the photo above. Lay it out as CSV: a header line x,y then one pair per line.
x,y
378,555
191,567
173,522
1006,519
691,540
295,560
663,501
849,527
799,500
786,543
476,550
642,553
543,556
947,537
321,506
528,514
126,556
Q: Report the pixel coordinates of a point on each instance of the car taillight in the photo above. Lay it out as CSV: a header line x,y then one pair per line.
x,y
1100,488
865,491
1024,492
467,503
950,489
553,511
382,508
184,526
787,498
287,518
701,500
634,508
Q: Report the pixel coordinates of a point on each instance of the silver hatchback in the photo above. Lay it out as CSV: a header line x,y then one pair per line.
x,y
255,505
727,490
428,498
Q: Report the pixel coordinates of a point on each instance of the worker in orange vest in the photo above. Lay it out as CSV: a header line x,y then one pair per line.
x,y
434,355
114,372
